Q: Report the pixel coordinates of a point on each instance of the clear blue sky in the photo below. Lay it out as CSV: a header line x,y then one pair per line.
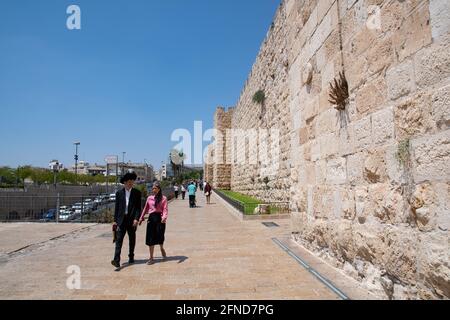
x,y
137,70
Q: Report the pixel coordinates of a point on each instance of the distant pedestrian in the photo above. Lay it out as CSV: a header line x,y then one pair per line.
x,y
176,190
208,191
126,217
157,207
192,189
183,191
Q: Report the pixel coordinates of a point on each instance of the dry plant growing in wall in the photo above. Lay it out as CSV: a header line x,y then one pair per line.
x,y
339,92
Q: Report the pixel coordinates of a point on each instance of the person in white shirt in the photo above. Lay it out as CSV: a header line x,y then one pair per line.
x,y
176,190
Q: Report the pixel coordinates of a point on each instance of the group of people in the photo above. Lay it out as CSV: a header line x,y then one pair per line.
x,y
191,188
128,215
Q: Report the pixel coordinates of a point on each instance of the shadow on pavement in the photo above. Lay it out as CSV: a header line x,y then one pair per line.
x,y
180,259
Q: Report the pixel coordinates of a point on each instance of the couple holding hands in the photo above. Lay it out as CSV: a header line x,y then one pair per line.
x,y
127,217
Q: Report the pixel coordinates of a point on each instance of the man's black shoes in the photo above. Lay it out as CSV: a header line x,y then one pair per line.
x,y
115,264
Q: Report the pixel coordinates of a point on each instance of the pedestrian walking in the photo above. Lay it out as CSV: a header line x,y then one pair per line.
x,y
157,207
176,190
208,191
183,191
192,189
126,217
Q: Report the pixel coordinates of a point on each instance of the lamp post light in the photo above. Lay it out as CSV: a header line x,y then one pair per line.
x,y
76,160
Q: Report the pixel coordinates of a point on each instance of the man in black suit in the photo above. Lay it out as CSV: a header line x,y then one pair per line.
x,y
126,216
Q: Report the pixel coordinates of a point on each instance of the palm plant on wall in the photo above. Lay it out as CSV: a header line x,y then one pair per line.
x,y
260,97
339,92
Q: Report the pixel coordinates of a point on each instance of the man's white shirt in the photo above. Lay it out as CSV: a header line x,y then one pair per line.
x,y
127,197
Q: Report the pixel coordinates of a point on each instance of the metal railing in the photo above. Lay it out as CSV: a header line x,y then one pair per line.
x,y
255,208
97,208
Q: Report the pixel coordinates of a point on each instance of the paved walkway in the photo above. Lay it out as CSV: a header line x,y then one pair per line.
x,y
212,254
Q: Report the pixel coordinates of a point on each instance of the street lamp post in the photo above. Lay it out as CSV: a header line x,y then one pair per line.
x,y
123,163
76,160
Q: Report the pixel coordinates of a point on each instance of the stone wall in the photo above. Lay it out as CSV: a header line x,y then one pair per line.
x,y
221,171
369,186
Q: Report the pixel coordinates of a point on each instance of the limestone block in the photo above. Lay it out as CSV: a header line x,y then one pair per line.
x,y
380,55
327,122
324,29
400,257
356,70
432,64
441,108
322,8
413,116
328,74
355,164
400,80
394,169
329,145
307,74
341,241
322,201
414,32
362,203
375,167
295,79
336,171
431,157
344,204
423,205
383,126
369,245
362,131
321,171
346,141
387,204
440,19
311,108
371,96
315,150
434,265
303,135
442,206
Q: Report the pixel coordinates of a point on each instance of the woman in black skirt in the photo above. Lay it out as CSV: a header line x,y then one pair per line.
x,y
156,206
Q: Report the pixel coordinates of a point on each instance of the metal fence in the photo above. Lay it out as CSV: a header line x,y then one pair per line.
x,y
255,207
97,208
57,208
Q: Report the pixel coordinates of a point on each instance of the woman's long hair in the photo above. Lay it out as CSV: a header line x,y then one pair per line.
x,y
158,197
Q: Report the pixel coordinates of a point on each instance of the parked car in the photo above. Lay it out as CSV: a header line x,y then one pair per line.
x,y
50,215
64,216
88,205
64,212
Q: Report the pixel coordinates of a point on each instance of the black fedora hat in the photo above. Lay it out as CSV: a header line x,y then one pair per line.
x,y
128,176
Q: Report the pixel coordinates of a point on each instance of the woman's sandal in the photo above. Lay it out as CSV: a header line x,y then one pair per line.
x,y
150,262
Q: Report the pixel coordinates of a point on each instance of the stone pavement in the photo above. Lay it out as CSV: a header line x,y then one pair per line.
x,y
212,255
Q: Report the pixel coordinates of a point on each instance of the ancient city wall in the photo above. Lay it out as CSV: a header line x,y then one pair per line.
x,y
368,185
221,171
262,130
